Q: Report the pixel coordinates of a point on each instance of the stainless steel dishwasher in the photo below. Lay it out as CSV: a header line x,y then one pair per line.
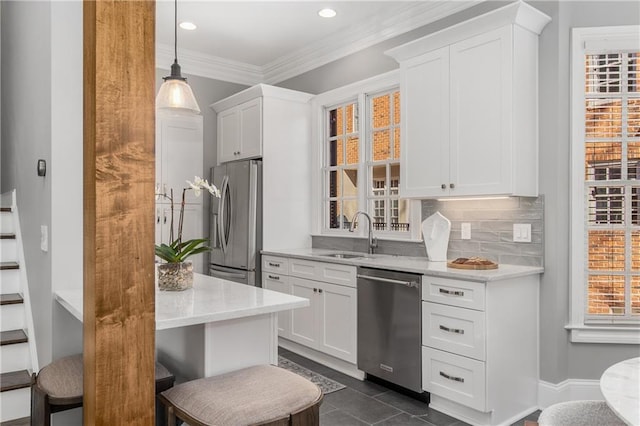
x,y
389,324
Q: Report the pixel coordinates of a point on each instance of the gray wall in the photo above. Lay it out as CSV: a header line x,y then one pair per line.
x,y
560,359
26,137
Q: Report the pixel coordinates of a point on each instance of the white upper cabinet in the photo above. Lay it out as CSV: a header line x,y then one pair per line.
x,y
179,150
470,111
240,131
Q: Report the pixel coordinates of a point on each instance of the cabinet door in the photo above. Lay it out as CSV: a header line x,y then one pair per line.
x,y
338,321
280,283
424,153
180,148
250,129
304,329
228,135
480,142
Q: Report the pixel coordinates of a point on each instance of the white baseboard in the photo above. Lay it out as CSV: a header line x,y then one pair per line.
x,y
568,390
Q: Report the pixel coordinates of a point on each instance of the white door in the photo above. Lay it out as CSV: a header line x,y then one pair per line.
x,y
181,155
280,283
250,129
228,135
425,106
480,149
338,321
304,328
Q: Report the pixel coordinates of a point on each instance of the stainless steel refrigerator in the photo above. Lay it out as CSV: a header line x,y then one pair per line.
x,y
235,225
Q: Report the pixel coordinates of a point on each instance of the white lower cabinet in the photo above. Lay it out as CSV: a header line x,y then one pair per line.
x,y
328,324
480,348
280,283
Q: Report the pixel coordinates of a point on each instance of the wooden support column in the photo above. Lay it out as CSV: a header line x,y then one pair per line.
x,y
119,176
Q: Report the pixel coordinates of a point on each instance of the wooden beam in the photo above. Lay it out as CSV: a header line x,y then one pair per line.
x,y
119,175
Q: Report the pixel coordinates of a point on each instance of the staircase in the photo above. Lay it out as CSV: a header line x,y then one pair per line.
x,y
18,357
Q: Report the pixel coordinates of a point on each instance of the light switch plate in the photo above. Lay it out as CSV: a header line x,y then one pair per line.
x,y
522,232
465,230
44,238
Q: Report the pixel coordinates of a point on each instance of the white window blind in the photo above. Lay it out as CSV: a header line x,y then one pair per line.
x,y
611,117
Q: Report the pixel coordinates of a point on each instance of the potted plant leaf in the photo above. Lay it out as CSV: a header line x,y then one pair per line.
x,y
177,273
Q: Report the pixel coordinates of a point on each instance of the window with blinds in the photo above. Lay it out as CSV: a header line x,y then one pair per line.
x,y
362,171
611,117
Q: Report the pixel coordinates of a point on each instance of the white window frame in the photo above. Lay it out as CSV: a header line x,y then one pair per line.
x,y
319,103
585,41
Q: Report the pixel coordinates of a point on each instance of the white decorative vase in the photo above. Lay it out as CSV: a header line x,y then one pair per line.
x,y
435,231
175,276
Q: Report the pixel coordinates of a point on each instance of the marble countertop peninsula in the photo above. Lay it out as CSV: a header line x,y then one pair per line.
x,y
210,300
419,265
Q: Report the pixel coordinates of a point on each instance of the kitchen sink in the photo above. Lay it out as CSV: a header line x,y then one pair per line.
x,y
344,255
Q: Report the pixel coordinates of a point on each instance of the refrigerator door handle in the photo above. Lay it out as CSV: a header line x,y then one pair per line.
x,y
221,217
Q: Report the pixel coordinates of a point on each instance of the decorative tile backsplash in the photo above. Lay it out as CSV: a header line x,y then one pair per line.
x,y
491,231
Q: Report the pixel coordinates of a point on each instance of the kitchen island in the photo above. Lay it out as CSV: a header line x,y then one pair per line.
x,y
215,327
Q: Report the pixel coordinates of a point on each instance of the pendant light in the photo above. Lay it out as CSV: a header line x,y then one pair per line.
x,y
175,94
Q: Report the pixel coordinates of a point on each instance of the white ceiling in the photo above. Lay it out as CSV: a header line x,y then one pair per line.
x,y
249,42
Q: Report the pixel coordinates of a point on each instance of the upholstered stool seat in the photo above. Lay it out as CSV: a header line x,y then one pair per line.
x,y
258,395
579,413
58,387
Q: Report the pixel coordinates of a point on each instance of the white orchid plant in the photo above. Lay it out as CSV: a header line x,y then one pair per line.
x,y
177,250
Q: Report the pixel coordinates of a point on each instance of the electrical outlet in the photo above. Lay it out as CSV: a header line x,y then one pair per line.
x,y
522,232
465,230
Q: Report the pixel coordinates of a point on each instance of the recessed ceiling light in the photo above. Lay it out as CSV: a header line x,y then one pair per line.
x,y
188,26
327,13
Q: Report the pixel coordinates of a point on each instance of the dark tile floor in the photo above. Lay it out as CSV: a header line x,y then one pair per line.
x,y
367,403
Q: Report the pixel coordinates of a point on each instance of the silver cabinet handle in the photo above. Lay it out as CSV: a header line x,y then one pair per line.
x,y
274,277
451,293
387,280
452,378
452,330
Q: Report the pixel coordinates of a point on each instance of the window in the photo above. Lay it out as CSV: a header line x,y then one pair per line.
x,y
359,140
605,278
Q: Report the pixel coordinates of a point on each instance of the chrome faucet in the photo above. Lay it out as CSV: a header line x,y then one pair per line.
x,y
373,243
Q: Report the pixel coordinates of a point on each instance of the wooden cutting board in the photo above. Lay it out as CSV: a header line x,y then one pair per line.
x,y
474,267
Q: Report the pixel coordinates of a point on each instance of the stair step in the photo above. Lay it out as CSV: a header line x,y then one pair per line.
x,y
7,236
24,421
5,209
10,299
15,380
11,337
9,265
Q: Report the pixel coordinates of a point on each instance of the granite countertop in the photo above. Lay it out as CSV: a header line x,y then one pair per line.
x,y
210,300
420,265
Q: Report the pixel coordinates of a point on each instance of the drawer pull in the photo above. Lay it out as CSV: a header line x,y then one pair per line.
x,y
274,277
452,378
452,330
450,292
275,265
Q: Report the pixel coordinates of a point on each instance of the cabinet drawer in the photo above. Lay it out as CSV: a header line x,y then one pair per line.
x,y
466,294
275,264
452,329
454,377
323,271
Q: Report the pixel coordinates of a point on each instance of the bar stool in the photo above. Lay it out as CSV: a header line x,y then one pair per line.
x,y
258,395
58,387
579,413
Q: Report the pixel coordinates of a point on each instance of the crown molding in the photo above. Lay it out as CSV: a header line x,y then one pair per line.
x,y
215,67
314,55
360,37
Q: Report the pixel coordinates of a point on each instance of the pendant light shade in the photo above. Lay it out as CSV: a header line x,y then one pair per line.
x,y
175,94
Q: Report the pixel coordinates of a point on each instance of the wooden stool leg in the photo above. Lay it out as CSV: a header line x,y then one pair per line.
x,y
171,416
40,409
